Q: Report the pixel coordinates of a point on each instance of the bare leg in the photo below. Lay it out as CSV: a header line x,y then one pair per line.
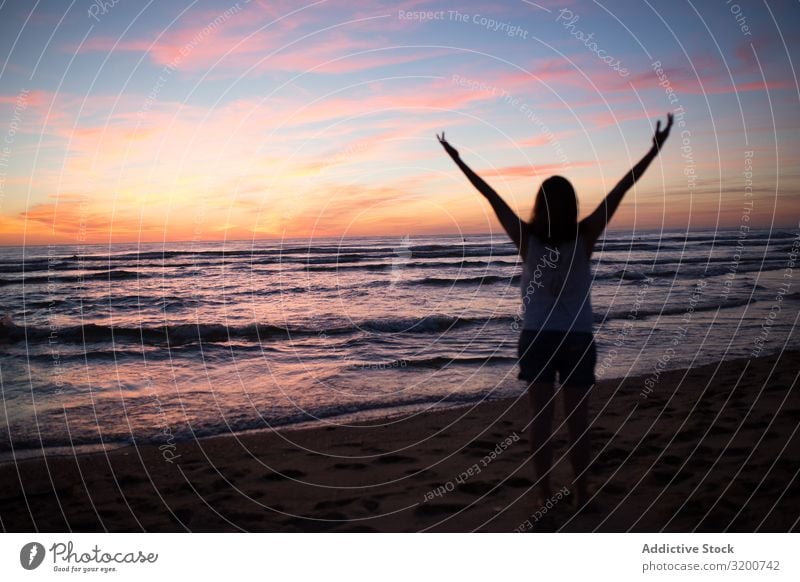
x,y
541,434
576,410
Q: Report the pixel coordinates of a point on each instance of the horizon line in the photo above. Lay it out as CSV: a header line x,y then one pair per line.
x,y
352,237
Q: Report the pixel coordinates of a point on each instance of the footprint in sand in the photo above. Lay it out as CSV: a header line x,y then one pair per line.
x,y
482,445
182,488
130,480
755,425
669,475
721,430
370,505
479,448
610,457
359,529
285,475
333,503
614,489
437,509
143,505
477,488
256,494
601,433
86,523
347,467
184,514
220,484
394,459
319,523
694,506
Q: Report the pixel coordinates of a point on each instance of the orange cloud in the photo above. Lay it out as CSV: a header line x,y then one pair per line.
x,y
538,170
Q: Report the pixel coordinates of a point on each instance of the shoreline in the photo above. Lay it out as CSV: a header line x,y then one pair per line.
x,y
360,419
713,448
350,419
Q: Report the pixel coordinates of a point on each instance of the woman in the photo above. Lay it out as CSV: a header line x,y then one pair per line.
x,y
557,335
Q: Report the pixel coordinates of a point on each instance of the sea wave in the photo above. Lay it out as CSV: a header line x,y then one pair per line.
x,y
185,333
462,265
113,275
480,280
437,362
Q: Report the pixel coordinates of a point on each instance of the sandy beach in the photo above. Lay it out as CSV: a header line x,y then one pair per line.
x,y
715,448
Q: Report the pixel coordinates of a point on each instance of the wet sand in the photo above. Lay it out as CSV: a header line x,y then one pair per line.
x,y
715,448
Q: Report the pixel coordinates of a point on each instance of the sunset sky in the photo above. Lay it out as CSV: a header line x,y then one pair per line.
x,y
215,120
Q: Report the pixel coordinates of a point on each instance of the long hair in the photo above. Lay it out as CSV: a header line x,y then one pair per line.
x,y
555,212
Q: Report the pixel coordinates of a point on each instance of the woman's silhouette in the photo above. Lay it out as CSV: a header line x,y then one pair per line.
x,y
557,334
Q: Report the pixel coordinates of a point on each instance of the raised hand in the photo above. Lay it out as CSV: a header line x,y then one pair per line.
x,y
596,222
516,228
452,152
661,136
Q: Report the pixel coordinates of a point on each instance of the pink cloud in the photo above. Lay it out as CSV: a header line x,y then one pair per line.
x,y
262,37
711,77
616,116
538,170
542,140
34,99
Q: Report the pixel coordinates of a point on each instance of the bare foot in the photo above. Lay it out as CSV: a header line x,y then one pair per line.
x,y
588,504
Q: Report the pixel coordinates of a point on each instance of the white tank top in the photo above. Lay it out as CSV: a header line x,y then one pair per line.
x,y
556,287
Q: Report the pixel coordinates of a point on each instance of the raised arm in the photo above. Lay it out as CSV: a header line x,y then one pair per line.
x,y
516,228
594,224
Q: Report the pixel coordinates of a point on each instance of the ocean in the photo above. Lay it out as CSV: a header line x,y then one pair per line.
x,y
104,346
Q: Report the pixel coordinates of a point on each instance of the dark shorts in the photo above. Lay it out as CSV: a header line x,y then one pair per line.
x,y
543,353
